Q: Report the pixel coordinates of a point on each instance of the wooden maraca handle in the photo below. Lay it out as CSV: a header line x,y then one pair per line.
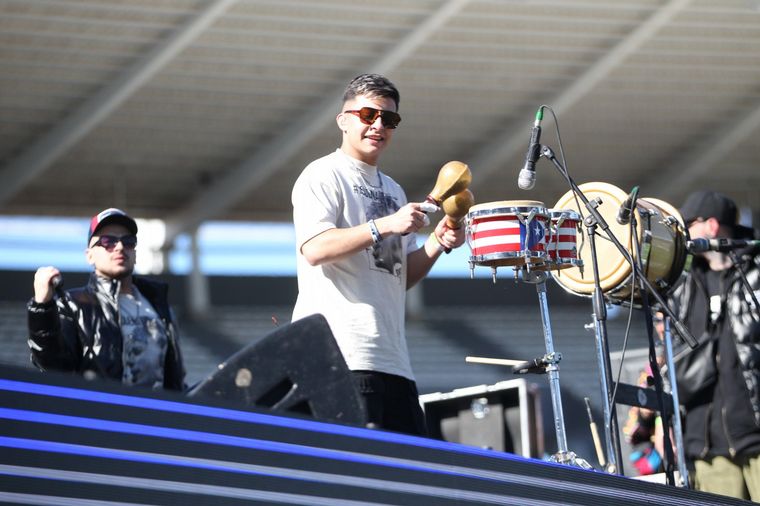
x,y
453,223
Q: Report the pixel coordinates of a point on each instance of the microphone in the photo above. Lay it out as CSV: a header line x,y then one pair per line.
x,y
721,245
57,283
527,178
624,213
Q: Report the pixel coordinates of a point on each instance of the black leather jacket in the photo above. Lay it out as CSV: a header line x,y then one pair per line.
x,y
698,370
93,343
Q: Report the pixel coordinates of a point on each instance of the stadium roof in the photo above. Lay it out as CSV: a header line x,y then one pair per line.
x,y
193,110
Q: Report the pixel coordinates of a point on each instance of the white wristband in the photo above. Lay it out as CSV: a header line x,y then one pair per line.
x,y
376,237
441,247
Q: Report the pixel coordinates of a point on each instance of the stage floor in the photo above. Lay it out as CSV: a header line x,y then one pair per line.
x,y
65,441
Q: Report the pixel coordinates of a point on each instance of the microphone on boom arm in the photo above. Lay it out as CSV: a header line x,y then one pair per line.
x,y
527,178
722,245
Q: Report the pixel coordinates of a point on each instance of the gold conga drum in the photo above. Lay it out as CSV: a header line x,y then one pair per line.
x,y
660,233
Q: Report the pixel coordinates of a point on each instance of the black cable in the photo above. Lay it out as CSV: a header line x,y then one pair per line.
x,y
566,173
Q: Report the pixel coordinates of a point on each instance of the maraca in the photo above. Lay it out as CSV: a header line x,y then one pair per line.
x,y
456,207
452,178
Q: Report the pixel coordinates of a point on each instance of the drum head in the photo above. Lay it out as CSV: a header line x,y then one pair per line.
x,y
613,267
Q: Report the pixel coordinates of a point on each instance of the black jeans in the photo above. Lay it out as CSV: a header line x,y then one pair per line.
x,y
392,402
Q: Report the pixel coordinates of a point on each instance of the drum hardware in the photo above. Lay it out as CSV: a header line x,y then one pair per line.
x,y
538,365
561,239
592,221
548,364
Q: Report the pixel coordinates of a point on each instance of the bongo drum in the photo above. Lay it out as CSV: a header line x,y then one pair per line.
x,y
561,240
507,232
661,236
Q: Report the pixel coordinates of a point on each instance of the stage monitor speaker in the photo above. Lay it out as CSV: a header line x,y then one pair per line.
x,y
505,417
297,368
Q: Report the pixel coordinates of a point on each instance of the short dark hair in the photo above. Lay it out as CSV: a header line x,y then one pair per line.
x,y
371,85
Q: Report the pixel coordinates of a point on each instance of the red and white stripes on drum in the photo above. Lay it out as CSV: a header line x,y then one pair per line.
x,y
522,233
561,238
498,234
507,233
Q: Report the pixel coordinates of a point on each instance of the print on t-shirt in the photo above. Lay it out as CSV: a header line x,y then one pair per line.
x,y
386,253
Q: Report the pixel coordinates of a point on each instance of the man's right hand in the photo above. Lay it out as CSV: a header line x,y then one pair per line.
x,y
409,219
43,284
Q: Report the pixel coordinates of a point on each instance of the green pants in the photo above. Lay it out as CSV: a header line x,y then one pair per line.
x,y
739,477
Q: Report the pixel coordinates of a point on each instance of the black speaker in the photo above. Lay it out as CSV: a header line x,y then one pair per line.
x,y
505,417
296,368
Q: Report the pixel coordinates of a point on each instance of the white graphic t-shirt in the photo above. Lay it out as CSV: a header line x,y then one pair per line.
x,y
362,296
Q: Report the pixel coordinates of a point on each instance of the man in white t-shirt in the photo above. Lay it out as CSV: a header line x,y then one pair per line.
x,y
357,254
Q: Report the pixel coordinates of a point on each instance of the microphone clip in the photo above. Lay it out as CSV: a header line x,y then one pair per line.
x,y
538,365
626,209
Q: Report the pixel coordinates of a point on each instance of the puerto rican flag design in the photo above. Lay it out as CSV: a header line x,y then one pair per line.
x,y
562,243
498,234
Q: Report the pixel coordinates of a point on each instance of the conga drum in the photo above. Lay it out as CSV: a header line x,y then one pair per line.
x,y
661,236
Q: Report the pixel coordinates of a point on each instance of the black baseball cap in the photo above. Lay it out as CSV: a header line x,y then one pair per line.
x,y
109,216
711,204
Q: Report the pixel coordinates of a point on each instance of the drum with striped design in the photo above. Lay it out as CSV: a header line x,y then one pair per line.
x,y
507,232
561,239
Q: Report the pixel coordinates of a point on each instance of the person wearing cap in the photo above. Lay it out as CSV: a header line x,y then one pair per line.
x,y
118,326
719,381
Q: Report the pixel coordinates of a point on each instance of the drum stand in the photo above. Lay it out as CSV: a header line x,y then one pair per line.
x,y
591,221
548,363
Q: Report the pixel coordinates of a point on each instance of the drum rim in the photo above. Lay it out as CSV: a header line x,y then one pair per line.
x,y
499,211
553,265
504,255
510,203
575,215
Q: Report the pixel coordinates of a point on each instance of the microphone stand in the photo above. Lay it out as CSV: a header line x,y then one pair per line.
x,y
677,428
745,283
592,221
664,409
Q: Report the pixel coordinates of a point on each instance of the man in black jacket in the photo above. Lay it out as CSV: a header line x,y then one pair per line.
x,y
719,381
118,326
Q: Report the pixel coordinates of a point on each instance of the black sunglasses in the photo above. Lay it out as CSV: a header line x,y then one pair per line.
x,y
109,241
368,115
